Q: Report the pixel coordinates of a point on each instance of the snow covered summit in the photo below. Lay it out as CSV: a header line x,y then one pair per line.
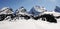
x,y
21,10
6,10
37,10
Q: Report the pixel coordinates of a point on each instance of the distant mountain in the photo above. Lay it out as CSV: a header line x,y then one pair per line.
x,y
6,10
36,10
21,10
57,9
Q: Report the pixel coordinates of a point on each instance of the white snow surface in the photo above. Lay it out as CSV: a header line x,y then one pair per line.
x,y
29,24
54,13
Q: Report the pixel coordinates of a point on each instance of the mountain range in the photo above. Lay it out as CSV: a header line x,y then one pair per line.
x,y
34,13
21,19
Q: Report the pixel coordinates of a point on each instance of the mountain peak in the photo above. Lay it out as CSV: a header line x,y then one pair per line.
x,y
35,10
6,8
57,9
22,9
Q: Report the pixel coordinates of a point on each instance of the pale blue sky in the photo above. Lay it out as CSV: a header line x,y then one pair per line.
x,y
28,4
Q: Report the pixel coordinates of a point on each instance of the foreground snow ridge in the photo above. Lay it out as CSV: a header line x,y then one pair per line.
x,y
28,24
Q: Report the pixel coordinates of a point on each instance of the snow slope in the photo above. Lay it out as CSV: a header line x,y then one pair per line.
x,y
29,24
54,13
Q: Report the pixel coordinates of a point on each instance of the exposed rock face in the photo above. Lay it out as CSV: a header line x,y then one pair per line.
x,y
6,11
49,18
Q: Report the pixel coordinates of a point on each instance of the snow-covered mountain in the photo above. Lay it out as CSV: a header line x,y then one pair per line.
x,y
21,10
30,24
57,9
37,10
34,13
6,10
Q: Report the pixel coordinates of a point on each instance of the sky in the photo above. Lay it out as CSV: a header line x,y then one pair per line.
x,y
28,4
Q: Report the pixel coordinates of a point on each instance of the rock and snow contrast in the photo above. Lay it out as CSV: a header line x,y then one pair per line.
x,y
6,10
37,10
36,18
21,10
